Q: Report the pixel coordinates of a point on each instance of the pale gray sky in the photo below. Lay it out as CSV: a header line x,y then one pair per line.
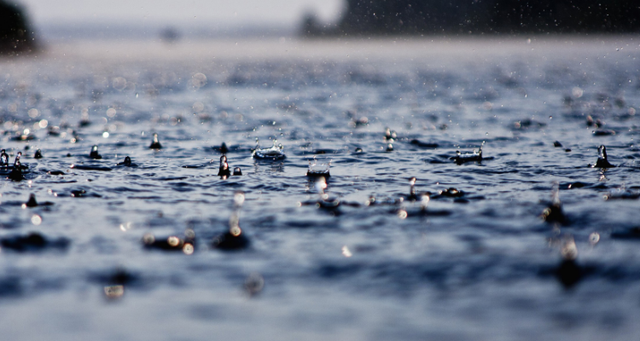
x,y
198,12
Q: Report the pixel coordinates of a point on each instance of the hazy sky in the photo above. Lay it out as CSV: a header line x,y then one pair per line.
x,y
172,11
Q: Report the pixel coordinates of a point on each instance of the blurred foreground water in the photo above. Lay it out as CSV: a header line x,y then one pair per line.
x,y
368,261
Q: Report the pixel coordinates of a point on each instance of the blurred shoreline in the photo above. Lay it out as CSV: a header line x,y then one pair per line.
x,y
400,48
77,31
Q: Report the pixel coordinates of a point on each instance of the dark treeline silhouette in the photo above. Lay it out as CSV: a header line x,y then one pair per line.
x,y
16,36
415,17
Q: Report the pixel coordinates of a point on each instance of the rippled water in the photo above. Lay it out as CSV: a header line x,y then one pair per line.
x,y
483,265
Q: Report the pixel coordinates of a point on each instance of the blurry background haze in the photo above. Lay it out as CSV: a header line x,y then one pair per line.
x,y
69,19
170,20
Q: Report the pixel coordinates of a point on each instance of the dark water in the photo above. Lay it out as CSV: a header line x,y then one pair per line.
x,y
480,265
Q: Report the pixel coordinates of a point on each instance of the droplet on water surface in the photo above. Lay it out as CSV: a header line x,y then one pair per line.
x,y
94,153
155,143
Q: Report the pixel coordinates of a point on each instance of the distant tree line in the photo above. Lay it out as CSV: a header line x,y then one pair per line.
x,y
428,17
15,34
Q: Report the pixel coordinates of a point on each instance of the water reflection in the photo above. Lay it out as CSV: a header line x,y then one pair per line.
x,y
254,284
291,242
554,213
234,238
268,165
171,243
569,273
325,201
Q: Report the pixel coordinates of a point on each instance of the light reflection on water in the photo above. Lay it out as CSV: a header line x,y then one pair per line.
x,y
476,260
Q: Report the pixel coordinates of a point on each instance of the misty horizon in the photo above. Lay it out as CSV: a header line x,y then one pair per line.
x,y
143,19
198,19
144,31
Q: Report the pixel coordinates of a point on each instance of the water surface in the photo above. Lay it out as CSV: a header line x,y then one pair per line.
x,y
480,266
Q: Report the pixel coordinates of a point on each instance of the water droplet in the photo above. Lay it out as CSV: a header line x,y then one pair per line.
x,y
173,241
36,220
238,198
94,153
223,170
33,113
577,92
148,238
155,143
235,231
4,158
188,249
114,291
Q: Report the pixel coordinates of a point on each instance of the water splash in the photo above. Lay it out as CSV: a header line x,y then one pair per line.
x,y
31,202
390,135
4,159
127,161
603,161
16,171
318,169
622,193
475,156
155,143
275,152
223,148
223,169
424,201
412,189
94,153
